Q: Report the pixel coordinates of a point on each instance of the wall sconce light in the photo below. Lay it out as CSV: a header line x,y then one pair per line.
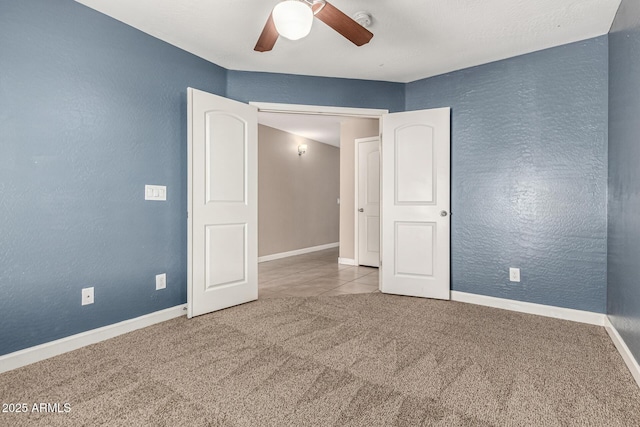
x,y
302,149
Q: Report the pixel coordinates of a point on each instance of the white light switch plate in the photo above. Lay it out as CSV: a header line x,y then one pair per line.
x,y
155,192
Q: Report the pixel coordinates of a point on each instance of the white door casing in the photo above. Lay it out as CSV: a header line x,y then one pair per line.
x,y
416,203
368,200
222,203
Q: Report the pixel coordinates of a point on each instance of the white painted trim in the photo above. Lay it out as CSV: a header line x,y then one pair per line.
x,y
624,351
189,201
297,252
588,317
54,348
347,261
318,109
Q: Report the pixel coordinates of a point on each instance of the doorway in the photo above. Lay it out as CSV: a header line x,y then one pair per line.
x,y
298,184
337,128
352,128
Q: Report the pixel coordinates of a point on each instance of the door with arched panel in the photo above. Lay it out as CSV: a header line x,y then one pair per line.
x,y
416,203
222,203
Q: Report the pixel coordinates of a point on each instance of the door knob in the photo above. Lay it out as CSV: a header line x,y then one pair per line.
x,y
361,210
443,213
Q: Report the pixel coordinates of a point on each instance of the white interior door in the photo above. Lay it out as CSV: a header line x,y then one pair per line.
x,y
222,203
368,194
415,203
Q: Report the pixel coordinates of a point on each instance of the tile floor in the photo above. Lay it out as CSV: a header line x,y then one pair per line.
x,y
313,274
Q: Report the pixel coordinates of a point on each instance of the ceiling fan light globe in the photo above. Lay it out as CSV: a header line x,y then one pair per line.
x,y
293,19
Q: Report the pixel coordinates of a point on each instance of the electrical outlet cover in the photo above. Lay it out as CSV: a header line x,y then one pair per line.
x,y
87,296
161,281
514,274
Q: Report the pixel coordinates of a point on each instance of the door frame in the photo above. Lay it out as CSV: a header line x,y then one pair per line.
x,y
363,113
348,112
356,228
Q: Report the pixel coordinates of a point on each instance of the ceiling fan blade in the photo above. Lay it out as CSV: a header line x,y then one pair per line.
x,y
340,22
268,38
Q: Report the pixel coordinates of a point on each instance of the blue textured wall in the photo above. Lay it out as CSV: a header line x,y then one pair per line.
x,y
91,110
293,89
624,175
529,174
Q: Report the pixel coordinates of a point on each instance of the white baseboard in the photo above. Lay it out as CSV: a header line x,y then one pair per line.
x,y
346,261
44,351
624,351
531,308
298,252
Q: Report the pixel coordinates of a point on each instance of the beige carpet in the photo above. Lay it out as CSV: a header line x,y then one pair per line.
x,y
352,360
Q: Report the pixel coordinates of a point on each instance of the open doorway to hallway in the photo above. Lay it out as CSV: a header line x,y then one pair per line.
x,y
306,226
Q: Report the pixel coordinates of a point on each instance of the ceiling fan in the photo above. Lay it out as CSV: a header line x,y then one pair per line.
x,y
292,19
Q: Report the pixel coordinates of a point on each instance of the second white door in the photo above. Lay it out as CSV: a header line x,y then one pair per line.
x,y
222,246
415,203
368,150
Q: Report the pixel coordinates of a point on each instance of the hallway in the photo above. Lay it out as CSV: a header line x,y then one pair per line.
x,y
314,274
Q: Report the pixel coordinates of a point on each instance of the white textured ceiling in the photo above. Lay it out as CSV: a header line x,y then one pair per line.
x,y
412,39
319,128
